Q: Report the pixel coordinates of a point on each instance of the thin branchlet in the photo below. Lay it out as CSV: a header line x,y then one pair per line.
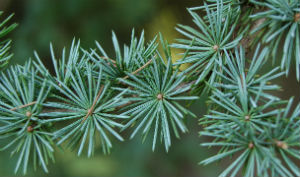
x,y
91,110
139,69
23,106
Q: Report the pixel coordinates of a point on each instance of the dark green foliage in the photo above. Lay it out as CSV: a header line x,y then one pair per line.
x,y
5,44
258,138
207,45
23,125
284,138
237,76
134,56
281,21
90,110
64,66
156,91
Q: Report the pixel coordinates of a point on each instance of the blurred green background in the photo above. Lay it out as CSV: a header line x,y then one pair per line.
x,y
59,21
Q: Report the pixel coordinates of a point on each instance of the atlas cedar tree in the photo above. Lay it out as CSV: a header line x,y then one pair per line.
x,y
140,90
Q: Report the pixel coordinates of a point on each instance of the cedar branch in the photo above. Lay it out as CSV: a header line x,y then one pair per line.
x,y
23,106
138,70
91,110
106,58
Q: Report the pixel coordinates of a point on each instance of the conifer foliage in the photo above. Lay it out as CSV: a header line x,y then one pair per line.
x,y
93,98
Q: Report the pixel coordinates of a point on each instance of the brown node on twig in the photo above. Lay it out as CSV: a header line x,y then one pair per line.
x,y
216,47
247,117
250,145
281,144
297,17
30,128
160,96
28,114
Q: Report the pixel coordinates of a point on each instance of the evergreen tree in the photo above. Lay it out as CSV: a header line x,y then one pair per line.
x,y
92,98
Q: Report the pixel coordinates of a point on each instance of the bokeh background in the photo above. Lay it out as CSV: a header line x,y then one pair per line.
x,y
59,21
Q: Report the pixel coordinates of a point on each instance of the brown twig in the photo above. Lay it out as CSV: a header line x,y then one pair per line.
x,y
186,84
297,17
23,106
106,58
138,70
91,110
246,41
281,144
124,105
